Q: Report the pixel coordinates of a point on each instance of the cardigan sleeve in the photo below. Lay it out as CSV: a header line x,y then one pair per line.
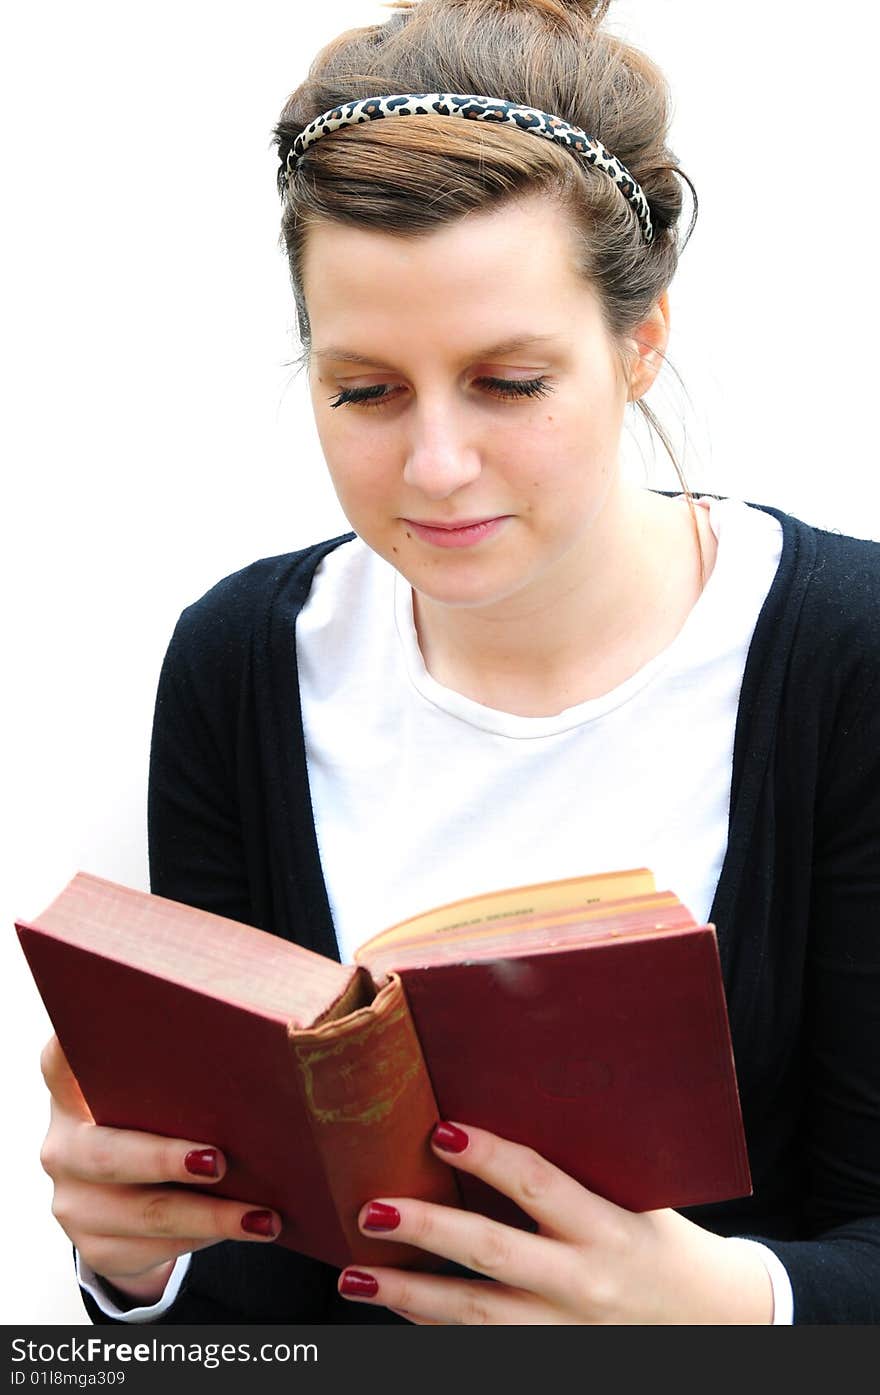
x,y
197,856
835,1272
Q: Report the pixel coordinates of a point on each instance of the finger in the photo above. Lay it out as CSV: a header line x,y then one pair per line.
x,y
535,1264
170,1214
411,1317
95,1153
61,1081
429,1300
561,1206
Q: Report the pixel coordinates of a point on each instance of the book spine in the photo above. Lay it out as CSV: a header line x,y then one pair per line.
x,y
371,1107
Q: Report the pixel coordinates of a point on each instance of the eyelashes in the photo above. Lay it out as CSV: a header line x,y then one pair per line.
x,y
375,395
366,396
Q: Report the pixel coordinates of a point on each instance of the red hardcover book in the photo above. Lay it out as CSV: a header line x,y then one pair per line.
x,y
585,1018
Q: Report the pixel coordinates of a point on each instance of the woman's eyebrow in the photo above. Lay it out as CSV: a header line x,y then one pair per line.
x,y
506,346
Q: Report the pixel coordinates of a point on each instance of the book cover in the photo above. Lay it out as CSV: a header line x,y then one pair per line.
x,y
584,1018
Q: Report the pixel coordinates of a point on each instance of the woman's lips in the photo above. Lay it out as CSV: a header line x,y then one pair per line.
x,y
464,533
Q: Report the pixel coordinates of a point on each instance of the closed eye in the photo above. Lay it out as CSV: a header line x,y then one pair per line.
x,y
376,394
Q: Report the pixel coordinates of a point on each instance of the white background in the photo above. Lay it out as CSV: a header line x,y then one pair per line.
x,y
153,439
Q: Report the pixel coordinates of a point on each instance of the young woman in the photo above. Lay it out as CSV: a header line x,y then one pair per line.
x,y
519,666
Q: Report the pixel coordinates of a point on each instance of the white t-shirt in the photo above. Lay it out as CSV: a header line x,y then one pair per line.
x,y
470,799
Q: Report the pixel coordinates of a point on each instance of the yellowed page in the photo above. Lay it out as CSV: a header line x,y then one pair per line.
x,y
473,912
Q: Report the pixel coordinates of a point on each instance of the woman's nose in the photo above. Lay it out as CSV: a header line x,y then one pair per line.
x,y
440,456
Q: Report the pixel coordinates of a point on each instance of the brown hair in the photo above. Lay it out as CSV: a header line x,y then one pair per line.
x,y
408,177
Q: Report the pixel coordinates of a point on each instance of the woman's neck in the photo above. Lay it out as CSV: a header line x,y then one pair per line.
x,y
587,627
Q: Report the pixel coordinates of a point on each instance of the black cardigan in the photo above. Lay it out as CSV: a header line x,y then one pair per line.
x,y
797,907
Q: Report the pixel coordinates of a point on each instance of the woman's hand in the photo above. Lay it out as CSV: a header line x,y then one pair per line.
x,y
589,1262
112,1198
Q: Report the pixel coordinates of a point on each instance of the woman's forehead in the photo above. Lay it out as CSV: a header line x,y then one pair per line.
x,y
528,220
484,266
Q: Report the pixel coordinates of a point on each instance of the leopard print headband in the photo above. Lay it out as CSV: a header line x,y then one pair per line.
x,y
539,123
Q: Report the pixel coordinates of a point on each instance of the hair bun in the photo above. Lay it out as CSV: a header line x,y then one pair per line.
x,y
593,10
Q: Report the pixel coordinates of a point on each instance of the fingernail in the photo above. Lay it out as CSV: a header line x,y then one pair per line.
x,y
259,1223
357,1284
202,1162
381,1217
449,1138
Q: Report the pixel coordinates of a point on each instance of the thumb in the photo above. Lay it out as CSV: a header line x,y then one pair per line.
x,y
61,1081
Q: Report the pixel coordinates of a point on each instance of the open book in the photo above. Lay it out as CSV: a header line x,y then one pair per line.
x,y
584,1018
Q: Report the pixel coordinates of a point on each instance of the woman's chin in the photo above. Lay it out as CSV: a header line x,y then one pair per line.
x,y
466,578
461,593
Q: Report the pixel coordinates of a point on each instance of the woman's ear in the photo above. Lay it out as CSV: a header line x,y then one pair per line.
x,y
648,343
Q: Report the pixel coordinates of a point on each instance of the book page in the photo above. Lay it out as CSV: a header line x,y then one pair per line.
x,y
473,912
648,916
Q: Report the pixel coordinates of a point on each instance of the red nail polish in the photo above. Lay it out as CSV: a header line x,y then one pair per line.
x,y
358,1284
449,1138
381,1217
259,1223
202,1162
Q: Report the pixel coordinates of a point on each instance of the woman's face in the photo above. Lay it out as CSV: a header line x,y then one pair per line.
x,y
466,378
